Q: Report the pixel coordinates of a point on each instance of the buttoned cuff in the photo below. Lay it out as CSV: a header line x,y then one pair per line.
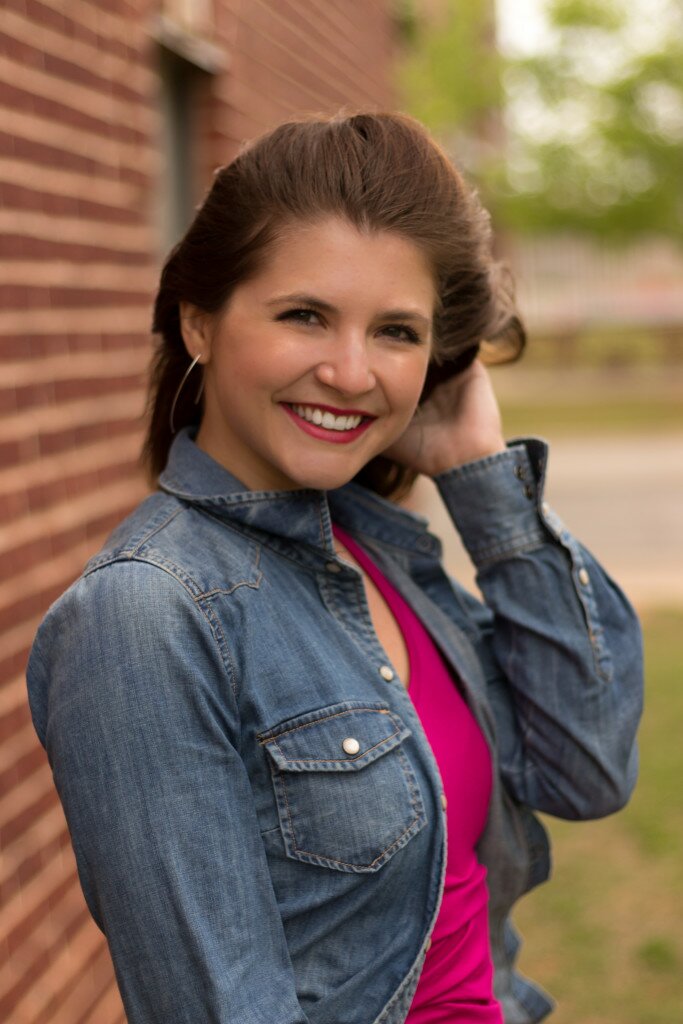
x,y
494,502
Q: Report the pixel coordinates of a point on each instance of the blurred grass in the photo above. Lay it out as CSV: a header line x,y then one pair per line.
x,y
589,398
604,414
599,379
605,935
608,347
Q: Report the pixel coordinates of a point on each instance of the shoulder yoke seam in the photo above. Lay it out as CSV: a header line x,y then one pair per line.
x,y
199,600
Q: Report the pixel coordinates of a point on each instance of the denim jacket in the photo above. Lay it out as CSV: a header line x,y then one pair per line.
x,y
193,690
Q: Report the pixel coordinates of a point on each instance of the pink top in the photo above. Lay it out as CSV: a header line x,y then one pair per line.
x,y
455,986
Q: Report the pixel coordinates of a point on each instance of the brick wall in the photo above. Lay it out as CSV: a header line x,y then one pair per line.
x,y
80,173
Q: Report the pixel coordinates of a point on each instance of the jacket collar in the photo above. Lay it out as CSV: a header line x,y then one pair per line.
x,y
302,516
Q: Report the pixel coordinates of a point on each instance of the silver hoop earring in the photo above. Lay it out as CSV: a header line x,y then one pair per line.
x,y
187,373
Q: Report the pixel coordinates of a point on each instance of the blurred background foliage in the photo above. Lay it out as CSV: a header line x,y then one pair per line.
x,y
605,934
572,128
583,131
450,77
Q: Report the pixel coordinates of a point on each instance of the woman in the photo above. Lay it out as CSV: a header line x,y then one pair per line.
x,y
298,762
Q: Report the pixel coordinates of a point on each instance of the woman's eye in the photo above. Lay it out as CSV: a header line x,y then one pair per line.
x,y
301,316
402,332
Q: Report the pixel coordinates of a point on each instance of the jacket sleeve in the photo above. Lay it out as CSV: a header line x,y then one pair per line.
x,y
131,689
561,642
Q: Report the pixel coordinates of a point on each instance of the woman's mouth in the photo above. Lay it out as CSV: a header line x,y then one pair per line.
x,y
320,422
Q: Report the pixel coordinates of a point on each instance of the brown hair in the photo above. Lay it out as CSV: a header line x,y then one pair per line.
x,y
378,171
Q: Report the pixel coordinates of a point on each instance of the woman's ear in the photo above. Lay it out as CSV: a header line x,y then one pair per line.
x,y
195,327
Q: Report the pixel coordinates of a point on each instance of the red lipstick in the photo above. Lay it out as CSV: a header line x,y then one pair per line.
x,y
322,433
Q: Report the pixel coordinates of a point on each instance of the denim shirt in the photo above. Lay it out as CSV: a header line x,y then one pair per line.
x,y
194,689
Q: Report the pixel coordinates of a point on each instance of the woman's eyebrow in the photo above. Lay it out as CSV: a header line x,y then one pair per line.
x,y
305,300
327,307
406,314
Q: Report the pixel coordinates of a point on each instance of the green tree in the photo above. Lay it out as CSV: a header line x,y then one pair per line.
x,y
449,75
583,133
595,123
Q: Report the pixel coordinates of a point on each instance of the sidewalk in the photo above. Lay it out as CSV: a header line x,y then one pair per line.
x,y
622,496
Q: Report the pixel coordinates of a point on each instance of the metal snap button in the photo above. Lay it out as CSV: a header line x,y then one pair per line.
x,y
333,567
584,578
350,745
444,801
386,673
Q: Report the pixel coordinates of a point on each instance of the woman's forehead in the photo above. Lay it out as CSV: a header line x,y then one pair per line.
x,y
337,255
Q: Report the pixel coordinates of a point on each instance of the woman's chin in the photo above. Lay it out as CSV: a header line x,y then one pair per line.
x,y
326,478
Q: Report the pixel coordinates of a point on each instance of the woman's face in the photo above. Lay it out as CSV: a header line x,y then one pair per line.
x,y
317,362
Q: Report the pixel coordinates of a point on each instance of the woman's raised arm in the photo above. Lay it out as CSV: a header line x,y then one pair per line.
x,y
562,643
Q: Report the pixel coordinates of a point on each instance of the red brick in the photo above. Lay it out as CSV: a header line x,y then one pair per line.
x,y
26,102
60,21
29,762
63,440
25,346
39,857
41,14
35,297
9,400
99,431
89,993
18,935
67,390
25,609
13,453
20,247
59,543
286,57
19,197
22,557
10,830
40,496
112,342
68,984
52,156
25,397
22,346
73,72
12,664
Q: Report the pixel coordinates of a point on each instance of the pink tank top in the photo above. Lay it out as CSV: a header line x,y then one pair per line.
x,y
455,986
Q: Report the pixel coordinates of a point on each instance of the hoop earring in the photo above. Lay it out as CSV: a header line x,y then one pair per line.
x,y
187,373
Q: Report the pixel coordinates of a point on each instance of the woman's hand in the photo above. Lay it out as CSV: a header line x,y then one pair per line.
x,y
459,422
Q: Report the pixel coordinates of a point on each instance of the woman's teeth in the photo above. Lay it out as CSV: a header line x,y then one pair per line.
x,y
325,419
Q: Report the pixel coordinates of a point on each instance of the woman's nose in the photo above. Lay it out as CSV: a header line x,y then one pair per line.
x,y
347,366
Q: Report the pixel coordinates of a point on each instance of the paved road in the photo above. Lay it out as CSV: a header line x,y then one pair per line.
x,y
623,497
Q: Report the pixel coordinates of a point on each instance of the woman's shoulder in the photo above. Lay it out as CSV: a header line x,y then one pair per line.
x,y
157,575
173,536
165,550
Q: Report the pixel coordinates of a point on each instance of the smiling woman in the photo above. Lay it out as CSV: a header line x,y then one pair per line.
x,y
285,372
298,763
380,175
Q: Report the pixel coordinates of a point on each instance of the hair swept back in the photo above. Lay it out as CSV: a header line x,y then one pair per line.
x,y
380,171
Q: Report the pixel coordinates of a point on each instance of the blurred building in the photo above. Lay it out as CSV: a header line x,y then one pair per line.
x,y
569,286
113,114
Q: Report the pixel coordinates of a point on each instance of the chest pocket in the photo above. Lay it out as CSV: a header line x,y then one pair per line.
x,y
346,794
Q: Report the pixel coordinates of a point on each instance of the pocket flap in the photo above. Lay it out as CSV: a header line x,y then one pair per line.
x,y
339,738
